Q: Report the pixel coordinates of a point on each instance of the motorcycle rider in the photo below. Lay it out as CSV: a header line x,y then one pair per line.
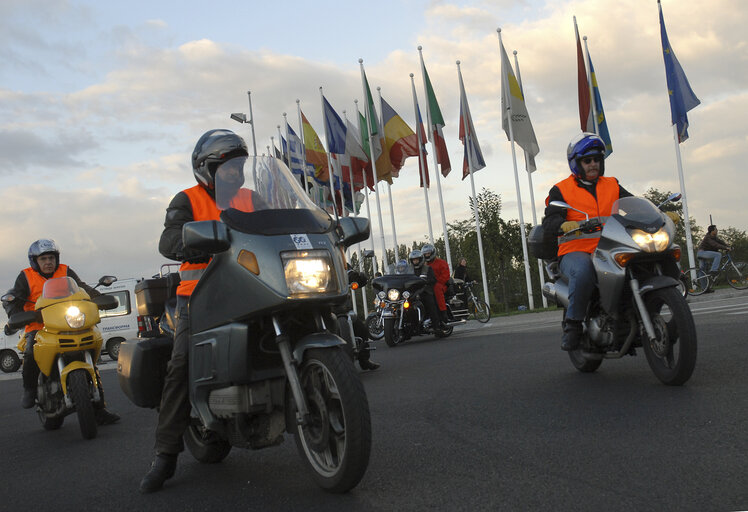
x,y
420,268
44,260
588,190
218,155
441,272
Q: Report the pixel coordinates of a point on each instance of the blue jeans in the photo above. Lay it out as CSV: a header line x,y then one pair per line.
x,y
715,256
577,267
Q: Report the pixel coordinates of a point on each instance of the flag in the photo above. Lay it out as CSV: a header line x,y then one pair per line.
x,y
682,98
422,160
315,151
341,140
585,108
368,171
400,141
437,123
292,151
382,162
513,100
468,137
602,125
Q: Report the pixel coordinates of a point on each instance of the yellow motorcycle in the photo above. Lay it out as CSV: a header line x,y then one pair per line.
x,y
65,350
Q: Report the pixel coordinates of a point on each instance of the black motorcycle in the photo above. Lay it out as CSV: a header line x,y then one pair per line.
x,y
402,311
263,358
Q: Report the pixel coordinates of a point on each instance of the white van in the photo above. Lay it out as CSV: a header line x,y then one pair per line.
x,y
10,358
120,323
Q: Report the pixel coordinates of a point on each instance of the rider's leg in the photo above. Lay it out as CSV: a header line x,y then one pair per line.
x,y
578,268
29,372
714,256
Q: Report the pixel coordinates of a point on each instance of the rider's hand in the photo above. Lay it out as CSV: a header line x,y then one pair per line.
x,y
673,216
569,225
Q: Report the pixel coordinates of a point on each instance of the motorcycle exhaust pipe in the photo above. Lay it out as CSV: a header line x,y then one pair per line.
x,y
557,292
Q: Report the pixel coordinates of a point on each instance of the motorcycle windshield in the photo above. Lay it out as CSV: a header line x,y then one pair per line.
x,y
59,288
260,195
637,211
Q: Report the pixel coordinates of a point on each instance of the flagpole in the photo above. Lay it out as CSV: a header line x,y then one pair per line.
x,y
592,93
468,150
366,190
330,168
437,171
421,160
686,220
303,150
532,193
396,254
356,214
508,106
373,164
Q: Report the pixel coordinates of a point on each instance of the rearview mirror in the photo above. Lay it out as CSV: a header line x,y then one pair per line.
x,y
355,229
107,280
208,235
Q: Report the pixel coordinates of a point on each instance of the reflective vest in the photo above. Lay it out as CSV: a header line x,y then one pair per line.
x,y
607,191
204,208
36,284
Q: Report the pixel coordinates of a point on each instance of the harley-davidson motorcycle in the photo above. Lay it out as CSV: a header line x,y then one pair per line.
x,y
637,302
263,357
403,314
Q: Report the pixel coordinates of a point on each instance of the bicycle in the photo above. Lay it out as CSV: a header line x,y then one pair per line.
x,y
700,281
480,310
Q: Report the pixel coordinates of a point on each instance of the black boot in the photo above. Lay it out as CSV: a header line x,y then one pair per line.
x,y
368,364
29,398
106,417
162,468
572,335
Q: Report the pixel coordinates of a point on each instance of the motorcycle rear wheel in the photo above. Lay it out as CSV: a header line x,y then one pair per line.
x,y
206,446
672,355
393,336
336,441
79,389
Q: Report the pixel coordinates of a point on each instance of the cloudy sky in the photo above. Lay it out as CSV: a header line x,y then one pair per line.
x,y
101,103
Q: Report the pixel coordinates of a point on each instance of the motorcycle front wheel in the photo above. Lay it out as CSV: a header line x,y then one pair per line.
x,y
205,445
336,440
672,354
374,326
393,335
79,389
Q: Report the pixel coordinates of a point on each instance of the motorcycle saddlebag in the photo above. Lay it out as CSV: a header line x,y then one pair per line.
x,y
141,369
151,294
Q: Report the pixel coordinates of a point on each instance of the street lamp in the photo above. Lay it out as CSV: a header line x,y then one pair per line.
x,y
240,117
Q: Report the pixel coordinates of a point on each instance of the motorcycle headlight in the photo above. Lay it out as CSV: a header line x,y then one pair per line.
x,y
308,272
651,242
393,294
75,317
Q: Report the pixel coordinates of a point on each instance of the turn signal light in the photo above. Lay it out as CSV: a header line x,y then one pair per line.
x,y
248,260
623,258
406,304
354,285
676,253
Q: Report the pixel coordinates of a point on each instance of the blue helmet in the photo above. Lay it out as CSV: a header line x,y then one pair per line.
x,y
585,144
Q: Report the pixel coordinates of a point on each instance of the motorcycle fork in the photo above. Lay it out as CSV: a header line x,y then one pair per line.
x,y
402,314
642,309
284,346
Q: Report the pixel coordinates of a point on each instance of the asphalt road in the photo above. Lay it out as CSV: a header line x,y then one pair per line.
x,y
492,418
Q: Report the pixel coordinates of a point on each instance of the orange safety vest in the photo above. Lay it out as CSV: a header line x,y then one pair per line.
x,y
607,190
204,208
36,285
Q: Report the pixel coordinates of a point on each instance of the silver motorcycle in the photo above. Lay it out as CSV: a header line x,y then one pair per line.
x,y
637,302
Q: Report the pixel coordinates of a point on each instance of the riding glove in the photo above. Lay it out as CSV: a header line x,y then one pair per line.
x,y
569,225
673,216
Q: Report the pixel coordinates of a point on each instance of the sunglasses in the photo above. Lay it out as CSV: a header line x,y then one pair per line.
x,y
590,159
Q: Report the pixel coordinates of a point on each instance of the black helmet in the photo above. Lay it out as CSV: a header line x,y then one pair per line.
x,y
212,149
43,246
416,259
429,252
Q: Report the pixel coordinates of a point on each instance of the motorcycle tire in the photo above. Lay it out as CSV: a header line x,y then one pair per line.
x,y
672,355
376,330
481,311
50,422
393,336
344,331
205,445
79,389
336,441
